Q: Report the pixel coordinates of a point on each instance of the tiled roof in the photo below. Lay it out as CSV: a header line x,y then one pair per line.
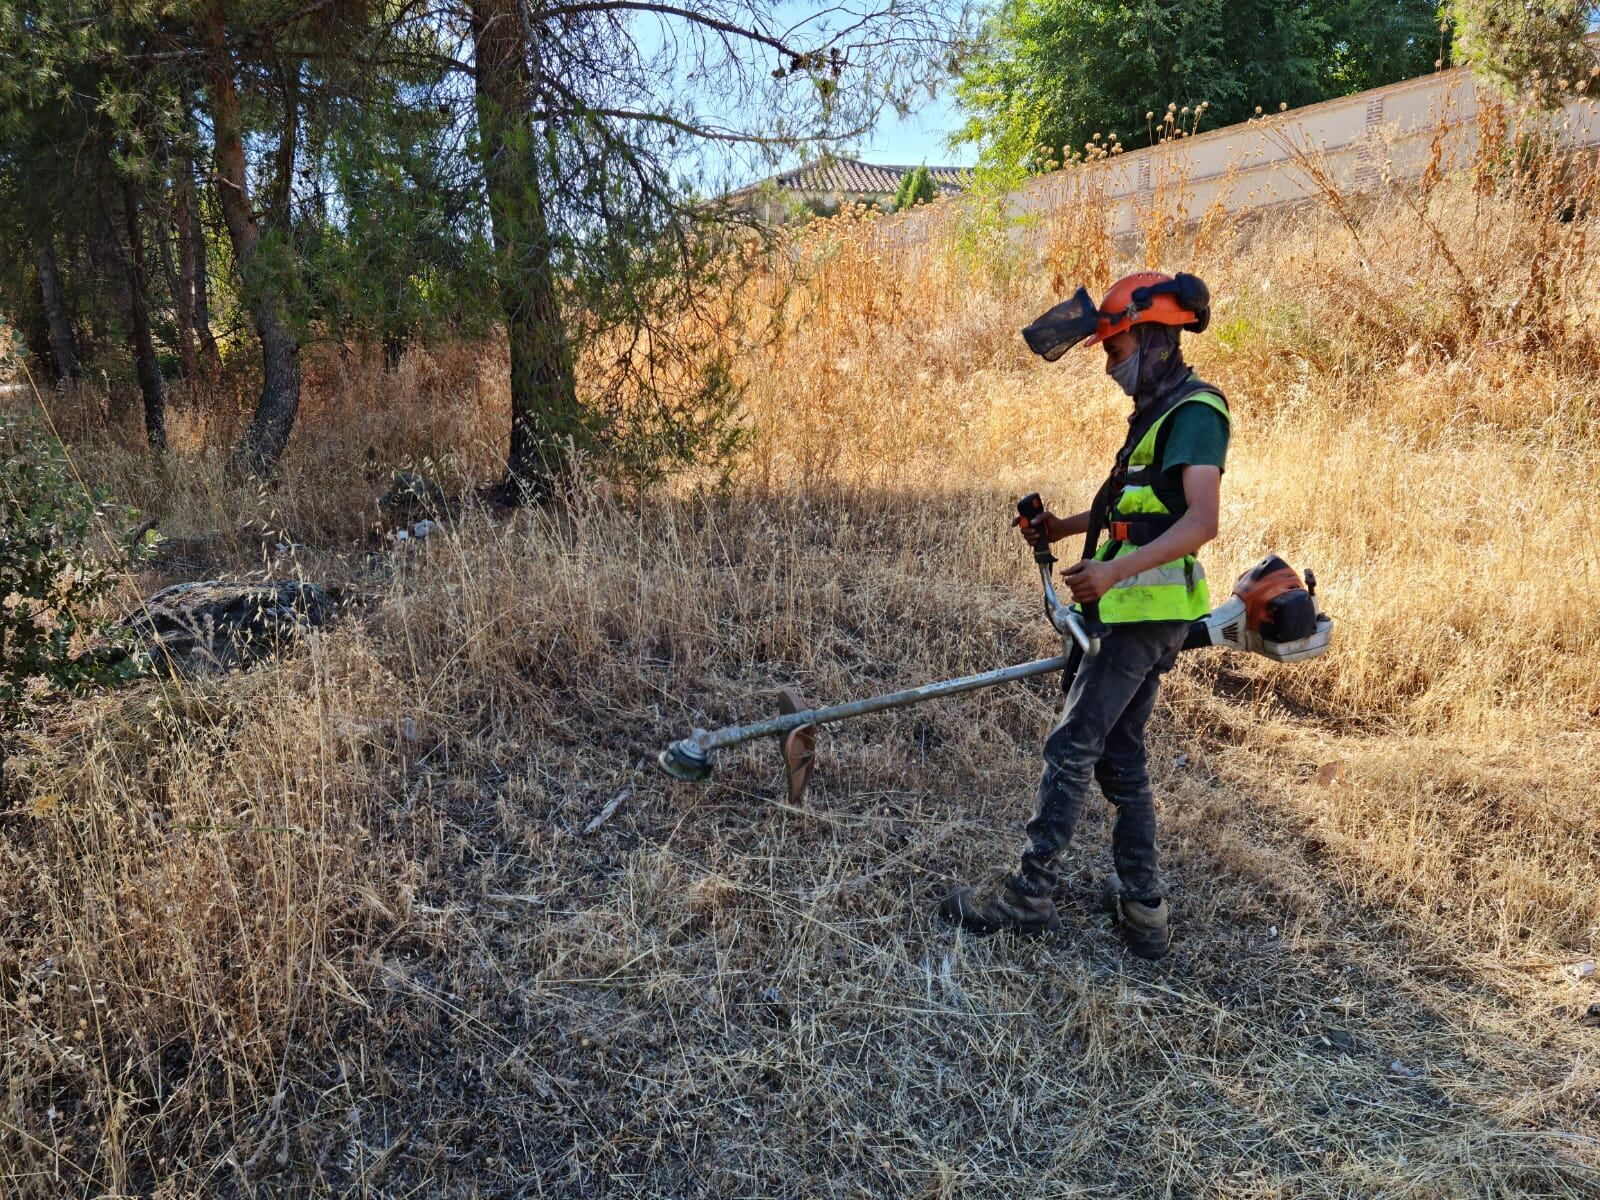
x,y
850,175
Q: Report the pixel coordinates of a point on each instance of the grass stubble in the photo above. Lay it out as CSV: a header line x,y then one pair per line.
x,y
339,926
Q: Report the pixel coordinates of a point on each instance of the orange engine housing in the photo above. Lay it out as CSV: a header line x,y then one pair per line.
x,y
1277,604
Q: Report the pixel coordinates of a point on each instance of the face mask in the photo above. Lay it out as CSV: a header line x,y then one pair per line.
x,y
1126,372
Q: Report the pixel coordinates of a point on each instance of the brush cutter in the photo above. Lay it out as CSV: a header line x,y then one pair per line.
x,y
1271,613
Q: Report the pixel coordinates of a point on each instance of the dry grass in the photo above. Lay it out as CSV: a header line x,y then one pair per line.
x,y
335,927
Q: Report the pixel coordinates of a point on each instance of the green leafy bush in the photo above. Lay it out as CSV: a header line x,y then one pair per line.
x,y
916,187
1539,52
1059,73
59,561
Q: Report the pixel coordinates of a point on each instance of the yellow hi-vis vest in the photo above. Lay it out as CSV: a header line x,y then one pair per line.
x,y
1175,591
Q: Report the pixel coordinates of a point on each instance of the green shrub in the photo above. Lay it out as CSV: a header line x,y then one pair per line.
x,y
1539,52
59,561
916,187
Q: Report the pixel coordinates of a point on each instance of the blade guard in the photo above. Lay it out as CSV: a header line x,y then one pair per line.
x,y
1271,613
799,747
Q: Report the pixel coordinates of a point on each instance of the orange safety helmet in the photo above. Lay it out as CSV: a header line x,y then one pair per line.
x,y
1152,296
1142,298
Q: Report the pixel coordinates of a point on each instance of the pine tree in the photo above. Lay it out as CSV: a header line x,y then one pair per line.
x,y
916,187
1540,51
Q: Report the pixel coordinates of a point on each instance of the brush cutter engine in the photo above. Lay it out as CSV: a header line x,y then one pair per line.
x,y
1271,613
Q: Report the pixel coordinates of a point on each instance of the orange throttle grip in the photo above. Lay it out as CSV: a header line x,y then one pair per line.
x,y
1029,509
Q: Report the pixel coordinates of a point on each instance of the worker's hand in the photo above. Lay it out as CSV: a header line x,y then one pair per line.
x,y
1041,531
1089,579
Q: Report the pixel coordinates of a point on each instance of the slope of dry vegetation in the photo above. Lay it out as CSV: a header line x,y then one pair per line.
x,y
341,925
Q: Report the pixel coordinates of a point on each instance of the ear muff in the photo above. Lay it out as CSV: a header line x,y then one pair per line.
x,y
1196,297
1190,292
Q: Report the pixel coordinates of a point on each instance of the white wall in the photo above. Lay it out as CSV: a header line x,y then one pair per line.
x,y
1358,140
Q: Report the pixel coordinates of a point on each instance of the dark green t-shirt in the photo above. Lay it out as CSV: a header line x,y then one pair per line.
x,y
1196,436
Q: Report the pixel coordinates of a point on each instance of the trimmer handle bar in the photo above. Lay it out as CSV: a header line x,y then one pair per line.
x,y
1086,629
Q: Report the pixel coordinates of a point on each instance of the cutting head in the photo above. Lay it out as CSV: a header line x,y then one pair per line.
x,y
685,760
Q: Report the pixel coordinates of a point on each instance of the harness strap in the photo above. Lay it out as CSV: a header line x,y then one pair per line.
x,y
1138,427
1140,530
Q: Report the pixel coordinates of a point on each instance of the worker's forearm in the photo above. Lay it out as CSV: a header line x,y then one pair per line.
x,y
1061,527
1186,537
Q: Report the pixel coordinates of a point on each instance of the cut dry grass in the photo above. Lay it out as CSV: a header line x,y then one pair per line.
x,y
336,927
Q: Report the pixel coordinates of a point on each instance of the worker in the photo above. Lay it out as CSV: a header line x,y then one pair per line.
x,y
1159,507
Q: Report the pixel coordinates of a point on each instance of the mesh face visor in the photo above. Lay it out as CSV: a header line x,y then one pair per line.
x,y
1063,327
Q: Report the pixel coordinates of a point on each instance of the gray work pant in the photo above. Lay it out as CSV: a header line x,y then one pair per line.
x,y
1100,736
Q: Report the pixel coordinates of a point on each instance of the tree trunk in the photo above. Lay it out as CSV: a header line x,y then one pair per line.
x,y
546,419
192,243
394,349
181,279
37,339
151,387
262,445
202,302
63,345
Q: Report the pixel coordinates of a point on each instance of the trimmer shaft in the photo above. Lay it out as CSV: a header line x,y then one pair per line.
x,y
1270,613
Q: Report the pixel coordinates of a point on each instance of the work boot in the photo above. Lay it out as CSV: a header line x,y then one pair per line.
x,y
1144,926
996,904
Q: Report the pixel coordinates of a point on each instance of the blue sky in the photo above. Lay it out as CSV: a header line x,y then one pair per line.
x,y
919,137
915,138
